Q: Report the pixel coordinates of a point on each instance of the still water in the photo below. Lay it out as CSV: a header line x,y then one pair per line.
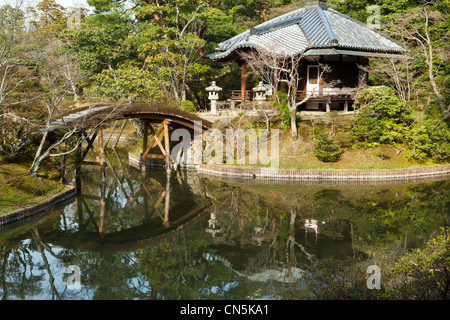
x,y
187,236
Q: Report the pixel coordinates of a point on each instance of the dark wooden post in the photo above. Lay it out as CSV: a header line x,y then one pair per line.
x,y
79,161
80,212
102,202
144,146
167,202
101,155
243,81
275,85
167,146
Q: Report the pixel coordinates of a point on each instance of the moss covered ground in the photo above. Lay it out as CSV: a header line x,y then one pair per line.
x,y
19,190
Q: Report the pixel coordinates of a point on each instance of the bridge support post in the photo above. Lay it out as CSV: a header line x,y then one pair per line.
x,y
144,147
167,146
167,202
101,155
78,162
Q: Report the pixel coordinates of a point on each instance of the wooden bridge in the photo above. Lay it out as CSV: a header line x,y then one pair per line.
x,y
157,120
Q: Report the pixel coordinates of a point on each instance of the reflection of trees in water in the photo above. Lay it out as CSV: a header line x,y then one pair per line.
x,y
259,229
371,219
100,210
17,282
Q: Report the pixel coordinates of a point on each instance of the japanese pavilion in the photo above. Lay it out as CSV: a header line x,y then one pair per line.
x,y
322,36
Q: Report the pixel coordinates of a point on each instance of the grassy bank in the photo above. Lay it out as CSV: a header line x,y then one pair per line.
x,y
299,154
19,190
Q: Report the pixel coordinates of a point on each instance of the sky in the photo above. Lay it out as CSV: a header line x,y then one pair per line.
x,y
64,3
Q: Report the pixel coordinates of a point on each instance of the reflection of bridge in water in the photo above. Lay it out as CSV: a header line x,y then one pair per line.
x,y
155,214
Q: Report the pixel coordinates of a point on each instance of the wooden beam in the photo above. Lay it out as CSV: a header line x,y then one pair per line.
x,y
153,201
111,133
101,154
116,177
144,146
102,203
90,197
153,140
154,156
167,202
145,138
94,163
243,81
158,142
167,145
79,161
90,142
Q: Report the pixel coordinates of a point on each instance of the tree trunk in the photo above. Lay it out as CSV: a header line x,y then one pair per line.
x,y
139,128
429,56
37,158
294,131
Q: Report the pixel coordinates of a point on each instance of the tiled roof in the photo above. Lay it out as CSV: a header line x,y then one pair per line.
x,y
308,28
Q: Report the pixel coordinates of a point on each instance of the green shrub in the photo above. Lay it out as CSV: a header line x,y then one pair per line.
x,y
420,274
430,141
325,148
382,119
383,155
284,110
187,105
344,139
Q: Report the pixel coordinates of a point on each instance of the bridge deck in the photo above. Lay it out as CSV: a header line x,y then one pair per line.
x,y
88,117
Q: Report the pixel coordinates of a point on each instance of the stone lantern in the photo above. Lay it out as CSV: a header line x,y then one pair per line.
x,y
260,93
213,95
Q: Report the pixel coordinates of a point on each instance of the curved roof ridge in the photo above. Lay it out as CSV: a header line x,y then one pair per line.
x,y
327,26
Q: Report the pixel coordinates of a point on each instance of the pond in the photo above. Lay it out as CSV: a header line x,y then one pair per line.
x,y
187,236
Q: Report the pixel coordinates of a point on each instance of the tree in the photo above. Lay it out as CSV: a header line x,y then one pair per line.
x,y
259,8
50,18
425,30
15,56
17,70
170,42
156,42
101,42
54,86
396,73
268,64
325,149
